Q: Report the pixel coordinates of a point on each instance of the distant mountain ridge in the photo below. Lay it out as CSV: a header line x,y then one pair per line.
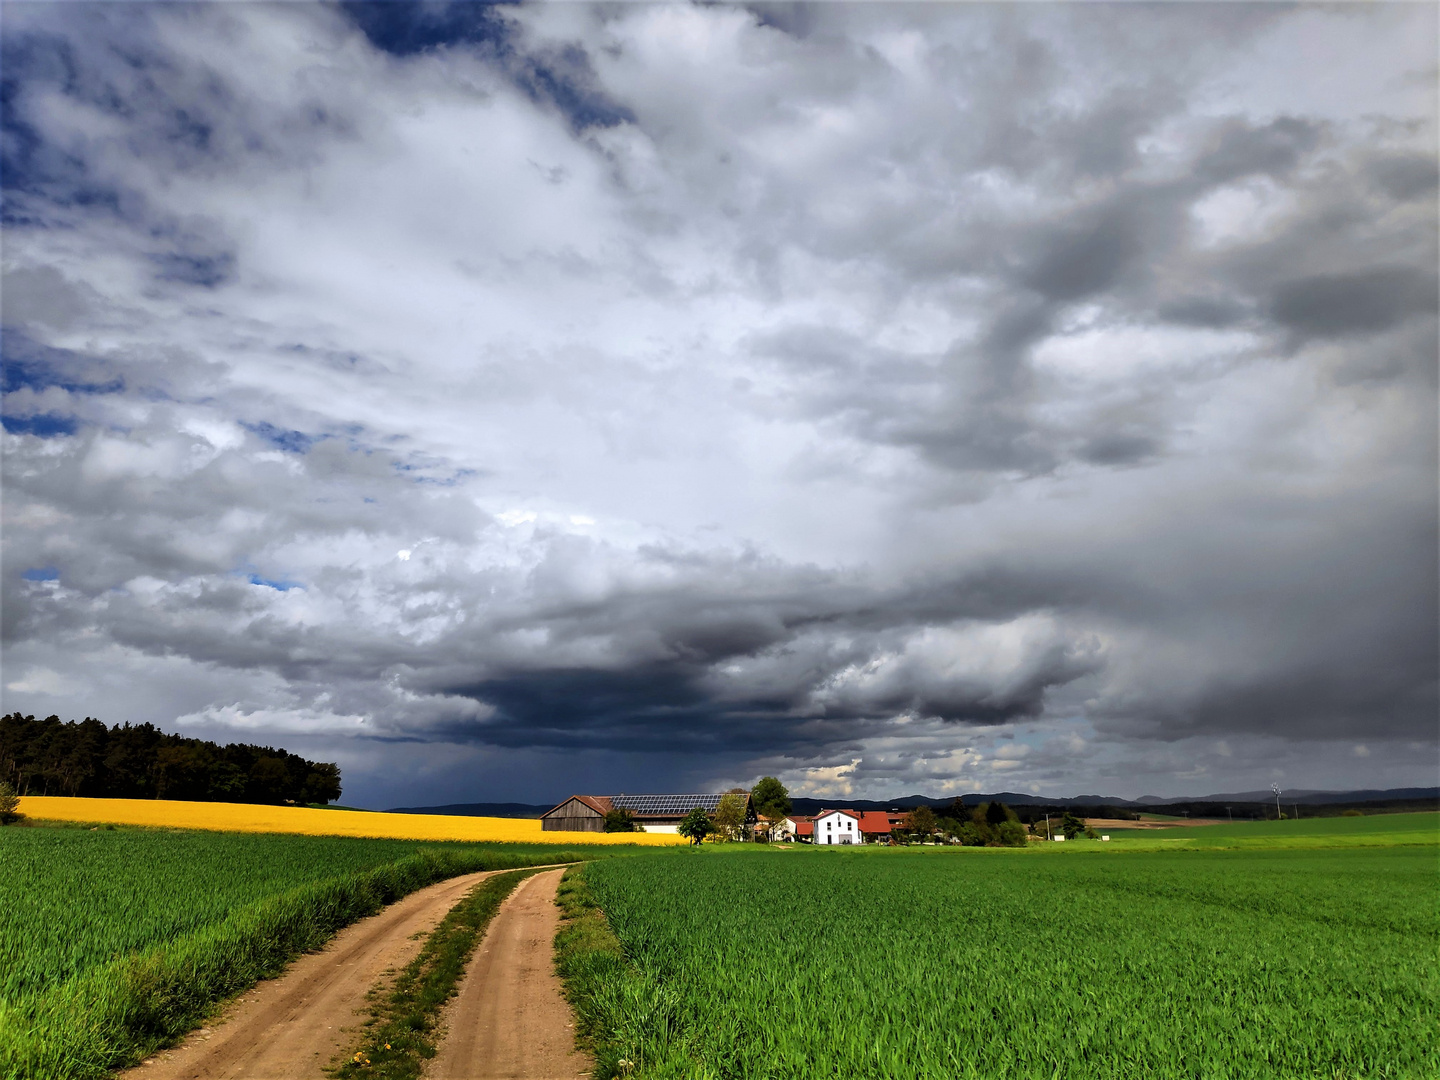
x,y
479,809
1302,796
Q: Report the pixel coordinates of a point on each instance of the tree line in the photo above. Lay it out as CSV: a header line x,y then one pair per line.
x,y
86,758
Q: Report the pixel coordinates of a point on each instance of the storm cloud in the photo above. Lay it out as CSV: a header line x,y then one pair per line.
x,y
505,400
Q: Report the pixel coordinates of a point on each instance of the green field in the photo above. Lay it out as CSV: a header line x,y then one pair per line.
x,y
113,941
1374,830
972,963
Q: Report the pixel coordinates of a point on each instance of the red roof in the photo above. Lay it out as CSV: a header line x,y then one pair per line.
x,y
875,822
599,803
872,822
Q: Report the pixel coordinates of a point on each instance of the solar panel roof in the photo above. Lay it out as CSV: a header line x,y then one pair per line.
x,y
665,805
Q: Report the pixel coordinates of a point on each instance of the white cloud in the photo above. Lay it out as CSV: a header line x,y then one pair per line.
x,y
930,372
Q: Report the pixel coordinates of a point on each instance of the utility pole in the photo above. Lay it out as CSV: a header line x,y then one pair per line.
x,y
1276,789
1231,812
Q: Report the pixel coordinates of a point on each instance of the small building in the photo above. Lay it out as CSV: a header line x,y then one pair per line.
x,y
868,827
578,813
652,813
837,827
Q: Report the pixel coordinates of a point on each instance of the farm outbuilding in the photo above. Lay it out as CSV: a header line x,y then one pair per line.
x,y
579,813
653,813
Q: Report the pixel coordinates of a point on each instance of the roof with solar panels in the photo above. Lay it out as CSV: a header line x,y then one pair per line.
x,y
656,809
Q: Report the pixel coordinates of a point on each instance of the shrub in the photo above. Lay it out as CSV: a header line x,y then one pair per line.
x,y
619,821
9,804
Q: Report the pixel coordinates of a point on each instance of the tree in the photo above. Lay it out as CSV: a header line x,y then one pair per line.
x,y
771,798
695,826
1071,826
620,820
996,813
730,815
323,783
9,804
1012,834
920,822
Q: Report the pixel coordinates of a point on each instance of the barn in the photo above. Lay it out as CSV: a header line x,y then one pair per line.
x,y
653,813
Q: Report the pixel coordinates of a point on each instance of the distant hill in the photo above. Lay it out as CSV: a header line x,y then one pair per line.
x,y
1308,796
479,809
1241,803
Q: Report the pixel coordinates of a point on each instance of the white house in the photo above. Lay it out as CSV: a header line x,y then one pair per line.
x,y
837,827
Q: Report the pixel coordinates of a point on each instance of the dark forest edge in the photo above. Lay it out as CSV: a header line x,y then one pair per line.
x,y
88,759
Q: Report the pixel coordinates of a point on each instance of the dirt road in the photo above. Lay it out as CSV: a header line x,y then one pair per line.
x,y
509,1020
290,1028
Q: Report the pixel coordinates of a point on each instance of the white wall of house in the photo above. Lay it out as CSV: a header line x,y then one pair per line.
x,y
837,828
649,827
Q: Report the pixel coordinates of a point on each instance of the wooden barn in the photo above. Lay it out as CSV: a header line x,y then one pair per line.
x,y
653,813
578,813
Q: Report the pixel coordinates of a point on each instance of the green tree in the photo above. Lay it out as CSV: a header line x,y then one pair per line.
x,y
322,785
1071,826
730,816
620,820
996,813
695,826
9,804
1012,834
772,799
920,822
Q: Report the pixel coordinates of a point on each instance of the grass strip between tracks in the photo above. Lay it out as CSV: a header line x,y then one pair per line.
x,y
400,1035
598,982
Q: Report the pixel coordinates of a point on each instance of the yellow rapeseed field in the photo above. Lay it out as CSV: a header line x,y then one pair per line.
x,y
241,817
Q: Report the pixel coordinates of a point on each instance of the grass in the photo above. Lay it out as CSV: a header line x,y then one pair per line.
x,y
591,965
400,1034
309,821
901,964
116,942
1377,830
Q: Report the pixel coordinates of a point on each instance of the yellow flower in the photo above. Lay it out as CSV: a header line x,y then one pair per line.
x,y
239,817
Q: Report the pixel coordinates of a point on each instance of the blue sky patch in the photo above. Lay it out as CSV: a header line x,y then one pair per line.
x,y
279,586
403,29
41,573
292,442
45,425
204,270
26,364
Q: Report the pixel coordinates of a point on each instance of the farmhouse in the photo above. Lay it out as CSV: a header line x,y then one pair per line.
x,y
837,827
853,827
653,813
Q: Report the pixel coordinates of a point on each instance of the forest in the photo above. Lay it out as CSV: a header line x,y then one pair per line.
x,y
86,758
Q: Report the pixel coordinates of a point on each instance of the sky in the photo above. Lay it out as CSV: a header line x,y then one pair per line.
x,y
510,401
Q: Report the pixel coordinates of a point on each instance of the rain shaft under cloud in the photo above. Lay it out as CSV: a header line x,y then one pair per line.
x,y
510,400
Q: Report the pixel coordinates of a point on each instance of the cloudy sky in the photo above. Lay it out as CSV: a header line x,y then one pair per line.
x,y
511,401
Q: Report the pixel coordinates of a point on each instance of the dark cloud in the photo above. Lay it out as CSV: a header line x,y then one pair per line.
x,y
1241,149
1405,177
1363,302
